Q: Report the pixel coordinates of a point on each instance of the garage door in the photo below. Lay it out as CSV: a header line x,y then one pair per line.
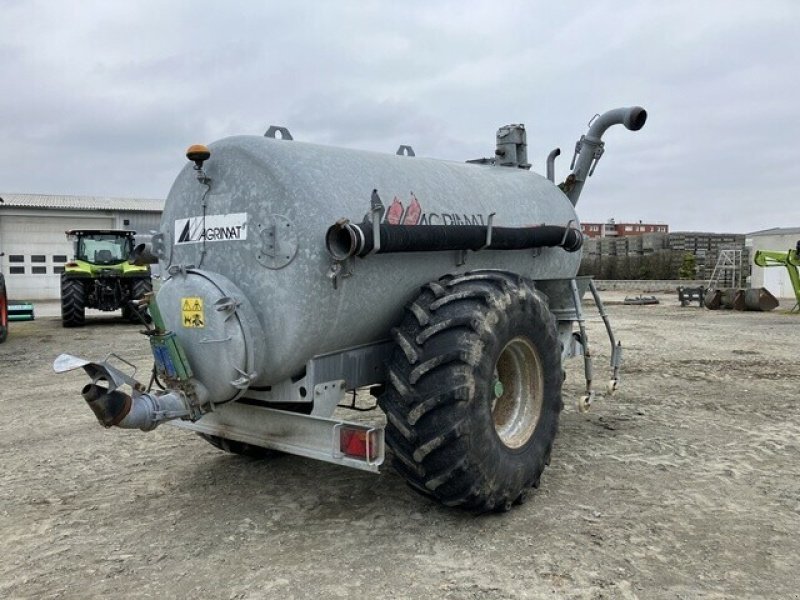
x,y
36,250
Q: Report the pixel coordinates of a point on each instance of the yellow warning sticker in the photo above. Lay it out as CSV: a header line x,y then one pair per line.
x,y
192,312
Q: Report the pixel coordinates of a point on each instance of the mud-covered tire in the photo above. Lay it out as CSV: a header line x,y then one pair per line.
x,y
139,287
450,428
3,310
242,448
73,302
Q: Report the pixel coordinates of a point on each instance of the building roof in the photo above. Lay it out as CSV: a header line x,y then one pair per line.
x,y
81,202
777,231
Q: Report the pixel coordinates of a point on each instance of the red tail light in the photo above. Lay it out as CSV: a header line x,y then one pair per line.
x,y
359,443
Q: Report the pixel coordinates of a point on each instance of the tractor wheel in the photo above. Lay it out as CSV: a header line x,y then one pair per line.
x,y
474,390
3,311
73,302
235,447
139,288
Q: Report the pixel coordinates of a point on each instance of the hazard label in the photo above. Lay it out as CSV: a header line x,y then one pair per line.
x,y
192,312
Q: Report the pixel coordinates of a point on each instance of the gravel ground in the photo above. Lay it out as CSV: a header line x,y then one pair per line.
x,y
686,484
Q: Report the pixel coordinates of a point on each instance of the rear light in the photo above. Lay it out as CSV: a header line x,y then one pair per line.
x,y
359,443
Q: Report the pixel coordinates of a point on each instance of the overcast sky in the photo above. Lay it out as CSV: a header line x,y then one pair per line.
x,y
102,98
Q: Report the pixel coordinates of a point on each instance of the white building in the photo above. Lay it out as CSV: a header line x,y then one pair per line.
x,y
33,244
775,279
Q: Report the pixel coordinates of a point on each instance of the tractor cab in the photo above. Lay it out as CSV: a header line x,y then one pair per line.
x,y
102,246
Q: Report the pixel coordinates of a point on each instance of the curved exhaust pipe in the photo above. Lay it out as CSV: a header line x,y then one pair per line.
x,y
145,411
589,148
551,163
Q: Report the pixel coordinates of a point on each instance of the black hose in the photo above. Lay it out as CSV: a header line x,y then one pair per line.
x,y
346,239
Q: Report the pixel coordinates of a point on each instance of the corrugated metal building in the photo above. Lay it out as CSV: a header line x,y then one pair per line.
x,y
775,279
33,247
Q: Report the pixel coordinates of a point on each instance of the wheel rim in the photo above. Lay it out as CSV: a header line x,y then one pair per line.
x,y
517,392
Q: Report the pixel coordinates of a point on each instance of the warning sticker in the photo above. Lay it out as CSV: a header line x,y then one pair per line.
x,y
192,312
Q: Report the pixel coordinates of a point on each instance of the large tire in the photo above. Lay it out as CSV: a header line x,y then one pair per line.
x,y
73,302
139,287
242,448
3,310
474,390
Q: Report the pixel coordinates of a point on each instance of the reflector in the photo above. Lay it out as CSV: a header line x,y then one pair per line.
x,y
358,443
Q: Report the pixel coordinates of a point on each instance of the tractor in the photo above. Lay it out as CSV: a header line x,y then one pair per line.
x,y
101,277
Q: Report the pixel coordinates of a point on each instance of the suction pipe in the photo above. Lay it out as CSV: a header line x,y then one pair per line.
x,y
589,148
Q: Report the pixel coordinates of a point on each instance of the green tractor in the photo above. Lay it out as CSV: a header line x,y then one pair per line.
x,y
101,277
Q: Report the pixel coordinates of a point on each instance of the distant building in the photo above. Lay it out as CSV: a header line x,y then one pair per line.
x,y
705,246
775,279
32,235
614,229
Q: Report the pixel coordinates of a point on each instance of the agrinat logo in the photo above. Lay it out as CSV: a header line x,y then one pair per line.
x,y
397,214
211,228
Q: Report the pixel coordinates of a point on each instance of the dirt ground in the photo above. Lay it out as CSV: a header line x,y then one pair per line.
x,y
684,485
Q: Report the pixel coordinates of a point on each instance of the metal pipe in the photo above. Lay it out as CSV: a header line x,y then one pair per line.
x,y
589,148
145,411
143,255
551,164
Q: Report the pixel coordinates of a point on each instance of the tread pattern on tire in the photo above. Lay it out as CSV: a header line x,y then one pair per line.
x,y
437,402
73,302
139,288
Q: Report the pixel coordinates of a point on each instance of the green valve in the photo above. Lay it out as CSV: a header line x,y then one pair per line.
x,y
498,388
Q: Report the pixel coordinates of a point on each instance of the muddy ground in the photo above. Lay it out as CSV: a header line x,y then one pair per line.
x,y
684,485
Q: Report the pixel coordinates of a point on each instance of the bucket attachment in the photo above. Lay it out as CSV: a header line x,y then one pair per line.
x,y
760,299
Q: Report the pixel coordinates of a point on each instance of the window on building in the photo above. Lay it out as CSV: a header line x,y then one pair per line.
x,y
628,228
38,258
16,258
16,270
59,258
58,270
39,270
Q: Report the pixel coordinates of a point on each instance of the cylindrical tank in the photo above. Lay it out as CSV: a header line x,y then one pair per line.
x,y
264,210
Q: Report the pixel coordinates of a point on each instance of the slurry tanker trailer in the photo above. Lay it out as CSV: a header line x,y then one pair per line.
x,y
297,276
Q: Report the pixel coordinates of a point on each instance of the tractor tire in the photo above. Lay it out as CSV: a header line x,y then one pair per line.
x,y
139,288
73,302
3,310
242,448
474,390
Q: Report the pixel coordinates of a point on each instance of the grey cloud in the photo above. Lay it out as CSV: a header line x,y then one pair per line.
x,y
117,91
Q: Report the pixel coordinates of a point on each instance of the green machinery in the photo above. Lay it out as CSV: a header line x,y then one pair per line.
x,y
11,310
100,276
790,260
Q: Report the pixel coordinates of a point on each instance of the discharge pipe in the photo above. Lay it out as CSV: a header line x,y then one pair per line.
x,y
589,148
145,411
345,239
142,255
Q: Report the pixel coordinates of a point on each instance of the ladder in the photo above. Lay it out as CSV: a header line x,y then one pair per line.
x,y
728,270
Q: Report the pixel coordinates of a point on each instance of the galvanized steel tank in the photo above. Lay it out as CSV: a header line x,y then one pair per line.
x,y
267,206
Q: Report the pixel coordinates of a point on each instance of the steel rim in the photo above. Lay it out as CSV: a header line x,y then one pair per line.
x,y
517,392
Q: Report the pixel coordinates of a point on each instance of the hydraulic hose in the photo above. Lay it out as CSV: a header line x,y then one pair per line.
x,y
346,239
